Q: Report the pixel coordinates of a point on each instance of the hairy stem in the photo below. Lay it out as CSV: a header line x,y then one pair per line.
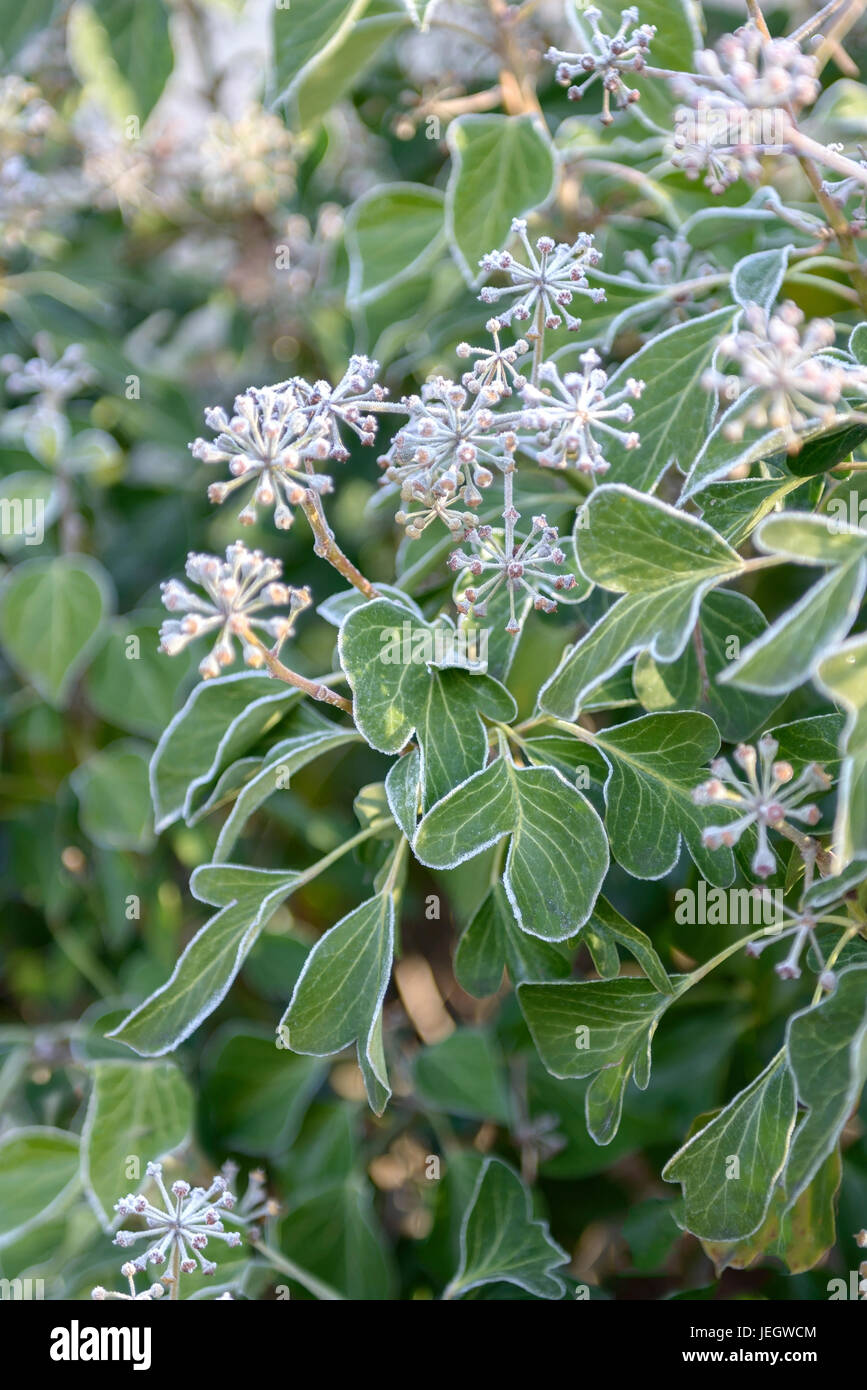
x,y
317,690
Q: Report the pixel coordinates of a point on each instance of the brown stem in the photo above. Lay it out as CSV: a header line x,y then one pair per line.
x,y
326,547
834,214
315,689
824,859
758,18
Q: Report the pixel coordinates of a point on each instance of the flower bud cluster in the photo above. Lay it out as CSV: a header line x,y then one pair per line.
x,y
766,796
610,60
237,589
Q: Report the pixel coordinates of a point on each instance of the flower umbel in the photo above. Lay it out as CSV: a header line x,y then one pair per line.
x,y
548,282
129,1272
767,795
524,568
236,589
190,1217
615,55
495,366
783,362
567,418
448,449
748,69
50,379
278,433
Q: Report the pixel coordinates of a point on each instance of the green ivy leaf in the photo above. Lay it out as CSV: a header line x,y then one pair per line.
x,y
51,614
493,941
656,763
826,1049
339,994
247,899
273,774
730,1167
130,683
608,926
221,720
599,1028
463,1075
671,417
338,68
141,46
144,1108
791,648
38,1177
114,798
502,168
663,562
725,615
255,1095
335,1234
758,278
501,1241
303,32
392,233
843,676
800,1236
395,698
403,791
551,883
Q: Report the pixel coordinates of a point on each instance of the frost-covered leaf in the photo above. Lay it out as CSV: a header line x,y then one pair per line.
x,y
610,930
220,721
598,1028
51,614
730,1167
671,417
843,676
558,853
502,167
303,33
141,1108
502,1242
656,763
403,791
339,994
728,621
826,1048
493,941
396,694
274,774
392,233
247,898
791,648
758,278
663,562
38,1177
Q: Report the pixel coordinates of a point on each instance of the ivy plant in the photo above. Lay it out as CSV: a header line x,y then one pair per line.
x,y
596,698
